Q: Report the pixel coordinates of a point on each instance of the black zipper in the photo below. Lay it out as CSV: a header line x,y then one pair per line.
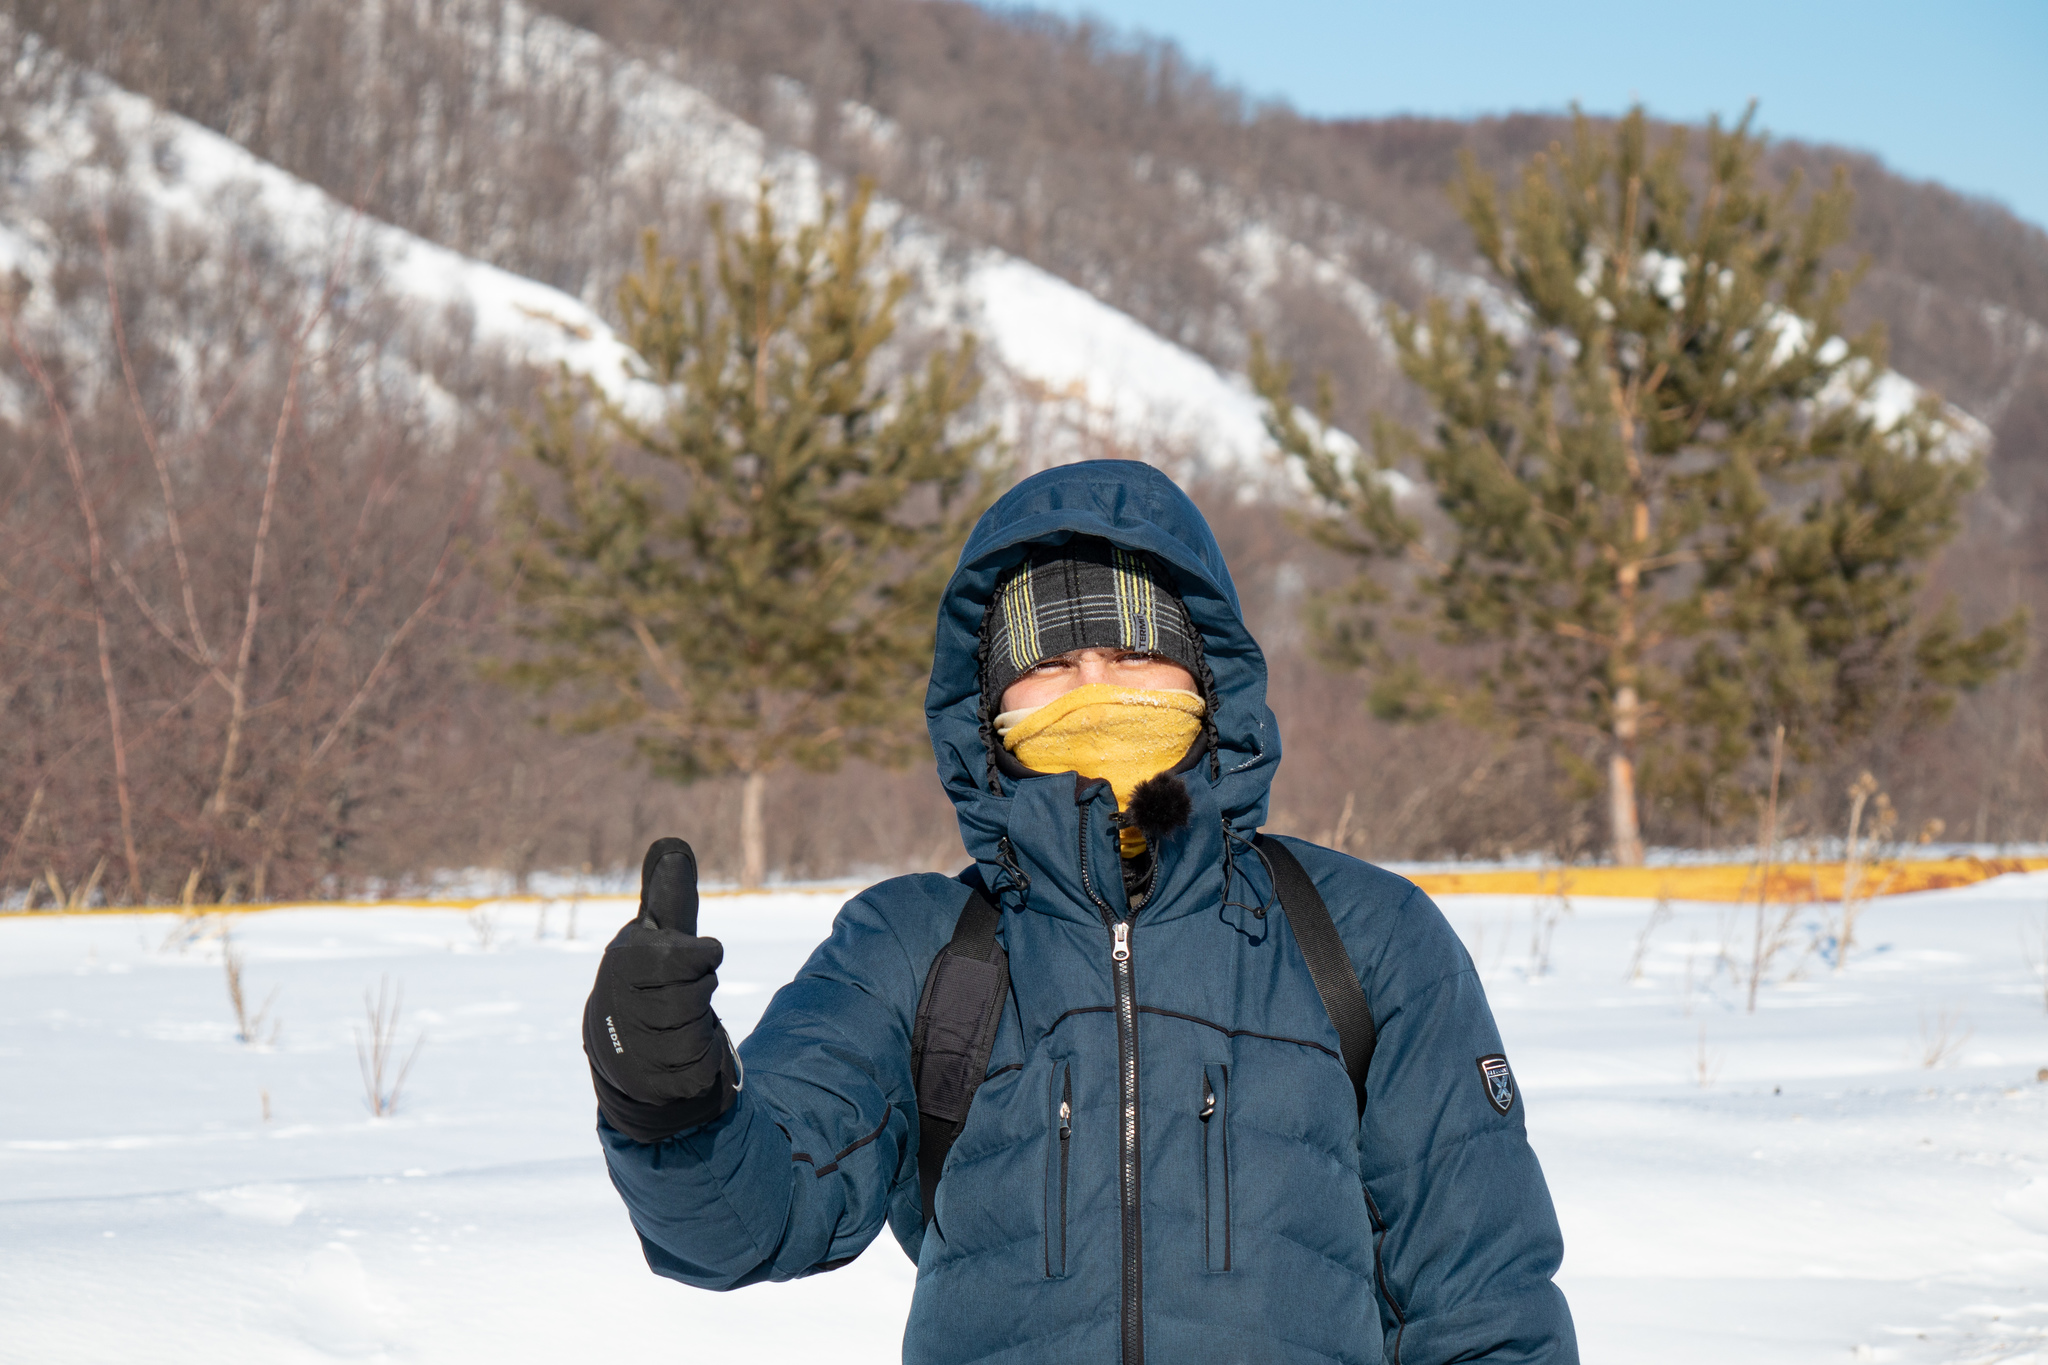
x,y
1379,1271
1215,1117
1066,1136
1060,1115
1128,1166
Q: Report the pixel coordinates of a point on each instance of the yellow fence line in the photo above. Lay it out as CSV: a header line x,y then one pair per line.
x,y
412,902
1792,881
1795,881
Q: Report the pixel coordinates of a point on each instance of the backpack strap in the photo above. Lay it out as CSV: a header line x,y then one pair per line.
x,y
1328,964
957,1017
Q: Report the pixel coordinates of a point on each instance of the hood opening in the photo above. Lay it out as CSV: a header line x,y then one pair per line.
x,y
1137,508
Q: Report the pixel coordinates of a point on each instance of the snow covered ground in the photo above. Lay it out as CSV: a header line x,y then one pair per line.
x,y
1823,1196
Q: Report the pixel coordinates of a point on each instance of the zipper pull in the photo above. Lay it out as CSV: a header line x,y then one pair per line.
x,y
1066,1120
1208,1101
1121,952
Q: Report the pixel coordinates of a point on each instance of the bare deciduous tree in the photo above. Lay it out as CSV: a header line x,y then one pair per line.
x,y
251,602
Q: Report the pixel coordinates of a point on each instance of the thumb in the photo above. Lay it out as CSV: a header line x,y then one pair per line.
x,y
668,886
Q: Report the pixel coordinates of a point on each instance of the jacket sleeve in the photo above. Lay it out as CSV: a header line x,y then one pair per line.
x,y
800,1174
1467,1239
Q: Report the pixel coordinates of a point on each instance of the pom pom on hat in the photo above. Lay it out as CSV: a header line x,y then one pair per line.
x,y
1159,805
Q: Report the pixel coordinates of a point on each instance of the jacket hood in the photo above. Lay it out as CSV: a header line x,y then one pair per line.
x,y
1135,506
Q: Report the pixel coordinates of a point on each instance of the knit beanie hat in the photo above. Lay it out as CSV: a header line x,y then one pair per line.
x,y
1085,594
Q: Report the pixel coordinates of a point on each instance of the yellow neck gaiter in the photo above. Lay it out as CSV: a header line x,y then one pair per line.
x,y
1120,734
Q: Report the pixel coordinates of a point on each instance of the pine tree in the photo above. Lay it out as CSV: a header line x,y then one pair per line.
x,y
1676,506
751,578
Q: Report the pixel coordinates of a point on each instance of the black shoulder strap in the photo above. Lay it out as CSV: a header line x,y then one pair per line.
x,y
1328,964
957,1017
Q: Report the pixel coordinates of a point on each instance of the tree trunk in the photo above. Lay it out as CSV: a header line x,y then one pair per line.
x,y
252,611
1628,709
753,838
1621,781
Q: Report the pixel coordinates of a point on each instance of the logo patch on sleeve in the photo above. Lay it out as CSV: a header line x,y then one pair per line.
x,y
1499,1082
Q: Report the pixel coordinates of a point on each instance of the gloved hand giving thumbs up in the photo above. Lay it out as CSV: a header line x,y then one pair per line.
x,y
659,1058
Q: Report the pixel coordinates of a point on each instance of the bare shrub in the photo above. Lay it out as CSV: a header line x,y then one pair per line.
x,y
1940,1042
248,1027
377,1052
224,524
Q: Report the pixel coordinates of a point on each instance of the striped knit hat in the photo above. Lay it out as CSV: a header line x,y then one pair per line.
x,y
1085,594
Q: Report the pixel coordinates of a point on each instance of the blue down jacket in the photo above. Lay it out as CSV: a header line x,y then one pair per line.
x,y
1277,1228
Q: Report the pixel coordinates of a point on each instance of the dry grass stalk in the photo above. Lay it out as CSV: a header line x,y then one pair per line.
x,y
248,1027
1659,914
1706,1065
1726,925
1544,915
1765,946
80,895
194,926
376,1053
1856,857
1342,831
576,901
1940,1043
2035,950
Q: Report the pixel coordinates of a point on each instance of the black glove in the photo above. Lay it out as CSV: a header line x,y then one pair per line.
x,y
659,1058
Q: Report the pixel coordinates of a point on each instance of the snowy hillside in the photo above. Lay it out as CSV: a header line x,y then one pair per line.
x,y
1855,1172
1072,376
1079,376
107,142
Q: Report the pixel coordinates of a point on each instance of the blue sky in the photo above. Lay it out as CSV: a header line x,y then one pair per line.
x,y
1955,92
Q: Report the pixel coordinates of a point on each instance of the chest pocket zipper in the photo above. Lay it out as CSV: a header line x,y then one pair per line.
x,y
1215,1116
1056,1171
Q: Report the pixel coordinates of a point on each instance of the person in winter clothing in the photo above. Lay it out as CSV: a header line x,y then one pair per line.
x,y
1166,1156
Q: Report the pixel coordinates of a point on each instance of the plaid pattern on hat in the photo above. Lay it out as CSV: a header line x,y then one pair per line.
x,y
1086,594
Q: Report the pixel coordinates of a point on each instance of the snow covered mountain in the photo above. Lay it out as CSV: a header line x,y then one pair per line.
x,y
1071,375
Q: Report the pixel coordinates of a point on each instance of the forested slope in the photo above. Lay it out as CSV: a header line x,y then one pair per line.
x,y
1111,163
